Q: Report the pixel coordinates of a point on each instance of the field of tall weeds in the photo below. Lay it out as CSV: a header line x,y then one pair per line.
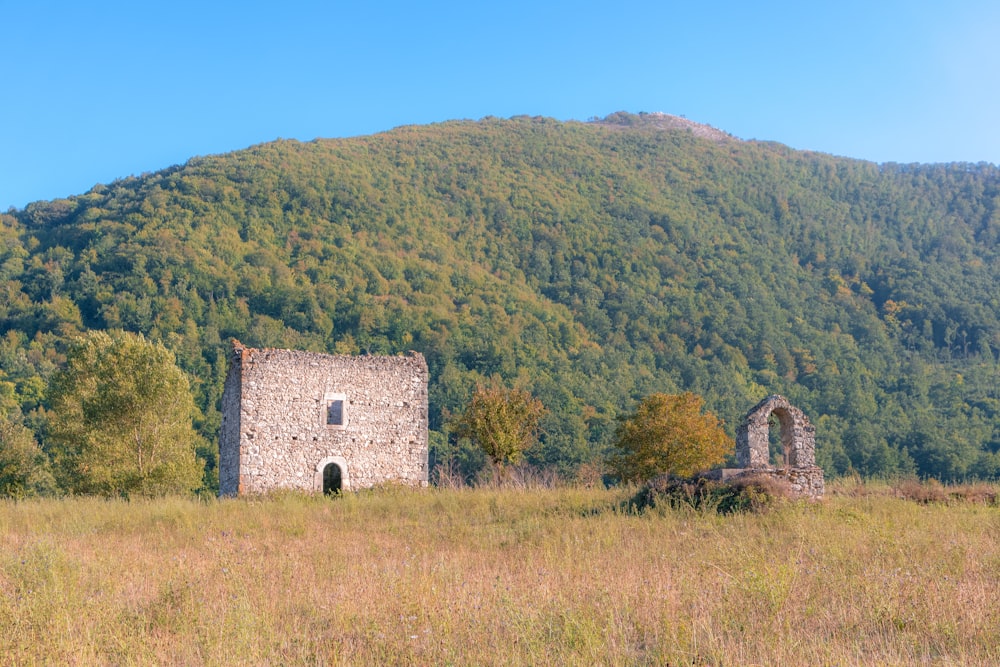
x,y
870,575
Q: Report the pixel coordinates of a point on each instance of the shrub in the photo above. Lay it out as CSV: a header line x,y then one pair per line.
x,y
933,491
750,493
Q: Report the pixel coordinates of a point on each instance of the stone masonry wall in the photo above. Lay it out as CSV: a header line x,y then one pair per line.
x,y
798,440
798,435
806,482
229,431
275,433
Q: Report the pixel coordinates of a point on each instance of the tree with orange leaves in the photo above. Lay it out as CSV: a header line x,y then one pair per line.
x,y
668,434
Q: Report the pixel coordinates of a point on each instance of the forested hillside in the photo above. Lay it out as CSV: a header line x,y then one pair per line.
x,y
594,262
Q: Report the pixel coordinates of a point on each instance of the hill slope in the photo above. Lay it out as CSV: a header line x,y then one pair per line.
x,y
596,262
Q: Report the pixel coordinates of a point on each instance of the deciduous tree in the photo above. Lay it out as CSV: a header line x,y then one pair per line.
x,y
503,422
24,467
122,419
668,433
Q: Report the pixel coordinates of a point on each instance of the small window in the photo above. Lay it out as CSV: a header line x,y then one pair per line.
x,y
335,413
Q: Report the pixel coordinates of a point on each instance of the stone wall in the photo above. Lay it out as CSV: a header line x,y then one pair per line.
x,y
798,436
803,482
798,441
275,412
807,482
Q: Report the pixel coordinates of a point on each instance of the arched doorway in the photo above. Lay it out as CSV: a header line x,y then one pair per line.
x,y
781,433
333,479
774,420
332,475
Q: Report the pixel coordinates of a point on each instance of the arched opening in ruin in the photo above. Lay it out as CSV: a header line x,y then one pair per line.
x,y
780,435
775,438
775,434
333,479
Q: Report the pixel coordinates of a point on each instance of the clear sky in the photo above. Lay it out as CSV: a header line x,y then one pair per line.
x,y
94,91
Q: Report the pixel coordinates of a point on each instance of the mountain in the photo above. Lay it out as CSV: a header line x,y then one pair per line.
x,y
593,262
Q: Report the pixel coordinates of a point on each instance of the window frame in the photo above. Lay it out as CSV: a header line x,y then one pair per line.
x,y
328,400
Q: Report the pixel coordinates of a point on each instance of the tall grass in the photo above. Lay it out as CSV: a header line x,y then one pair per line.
x,y
489,576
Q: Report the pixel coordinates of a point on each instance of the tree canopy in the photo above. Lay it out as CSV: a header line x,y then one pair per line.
x,y
121,420
668,434
24,467
503,422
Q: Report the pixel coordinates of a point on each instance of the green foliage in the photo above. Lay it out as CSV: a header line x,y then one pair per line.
x,y
503,422
668,434
121,420
24,467
593,263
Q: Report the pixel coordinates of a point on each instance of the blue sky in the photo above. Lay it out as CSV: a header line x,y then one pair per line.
x,y
103,90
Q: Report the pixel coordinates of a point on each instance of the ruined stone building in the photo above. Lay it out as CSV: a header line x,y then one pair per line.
x,y
319,422
798,445
797,437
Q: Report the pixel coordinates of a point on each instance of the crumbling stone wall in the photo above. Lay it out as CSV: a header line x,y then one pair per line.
x,y
282,423
798,436
798,442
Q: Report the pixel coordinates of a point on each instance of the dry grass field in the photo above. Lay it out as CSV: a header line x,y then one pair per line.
x,y
511,577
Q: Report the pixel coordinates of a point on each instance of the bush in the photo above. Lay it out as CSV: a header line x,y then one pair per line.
x,y
750,493
933,491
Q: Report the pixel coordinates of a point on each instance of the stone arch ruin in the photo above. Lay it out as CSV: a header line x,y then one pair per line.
x,y
798,436
798,443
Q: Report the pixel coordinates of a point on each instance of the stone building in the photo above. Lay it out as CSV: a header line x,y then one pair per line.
x,y
319,422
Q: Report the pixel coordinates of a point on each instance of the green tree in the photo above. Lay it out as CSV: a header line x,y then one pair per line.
x,y
24,467
122,419
668,434
502,422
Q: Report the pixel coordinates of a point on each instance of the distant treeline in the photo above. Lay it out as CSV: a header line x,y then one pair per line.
x,y
593,263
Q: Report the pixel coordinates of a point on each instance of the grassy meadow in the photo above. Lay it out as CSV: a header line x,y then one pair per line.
x,y
513,577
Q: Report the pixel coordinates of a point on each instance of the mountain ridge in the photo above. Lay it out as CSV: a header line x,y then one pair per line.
x,y
665,121
594,262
